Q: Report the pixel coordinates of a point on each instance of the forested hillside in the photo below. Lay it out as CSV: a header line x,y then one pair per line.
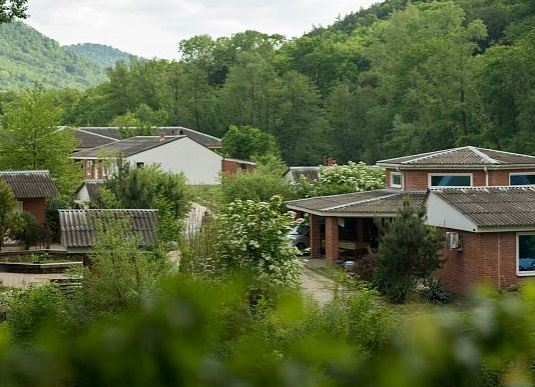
x,y
396,78
105,56
28,58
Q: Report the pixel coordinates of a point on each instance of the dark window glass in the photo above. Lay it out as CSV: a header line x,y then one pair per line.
x,y
140,165
526,253
450,181
522,180
396,179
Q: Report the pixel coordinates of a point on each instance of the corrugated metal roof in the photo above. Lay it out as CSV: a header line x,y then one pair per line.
x,y
79,227
380,202
309,173
464,156
493,206
202,138
30,184
93,186
127,147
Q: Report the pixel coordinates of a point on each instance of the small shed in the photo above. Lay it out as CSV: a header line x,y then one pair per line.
x,y
31,190
79,227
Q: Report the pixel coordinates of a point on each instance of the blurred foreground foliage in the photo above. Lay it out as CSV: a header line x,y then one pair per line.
x,y
198,332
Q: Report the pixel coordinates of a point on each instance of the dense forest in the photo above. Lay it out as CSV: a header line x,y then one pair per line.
x,y
29,59
104,55
393,79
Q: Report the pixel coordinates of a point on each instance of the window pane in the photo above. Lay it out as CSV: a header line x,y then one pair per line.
x,y
450,181
526,253
396,179
522,179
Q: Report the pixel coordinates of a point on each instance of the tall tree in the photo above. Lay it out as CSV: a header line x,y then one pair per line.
x,y
12,9
31,139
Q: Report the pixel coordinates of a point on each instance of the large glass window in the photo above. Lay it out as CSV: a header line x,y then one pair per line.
x,y
522,179
450,180
526,254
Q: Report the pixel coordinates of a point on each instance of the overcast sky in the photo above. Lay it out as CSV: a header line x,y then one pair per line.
x,y
153,28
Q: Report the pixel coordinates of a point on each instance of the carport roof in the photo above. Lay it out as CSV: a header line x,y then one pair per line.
x,y
378,203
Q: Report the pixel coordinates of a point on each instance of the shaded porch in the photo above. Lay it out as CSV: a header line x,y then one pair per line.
x,y
351,222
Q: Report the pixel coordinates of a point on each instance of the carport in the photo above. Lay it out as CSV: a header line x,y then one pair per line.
x,y
351,221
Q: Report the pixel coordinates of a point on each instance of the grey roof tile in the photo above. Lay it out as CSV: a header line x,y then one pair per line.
x,y
464,156
30,184
380,202
79,227
493,206
126,147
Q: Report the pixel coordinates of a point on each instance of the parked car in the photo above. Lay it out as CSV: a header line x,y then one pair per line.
x,y
300,236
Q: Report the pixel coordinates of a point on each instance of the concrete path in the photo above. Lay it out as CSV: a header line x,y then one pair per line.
x,y
318,286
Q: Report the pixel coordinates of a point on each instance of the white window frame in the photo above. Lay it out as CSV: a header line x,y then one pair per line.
x,y
520,174
518,272
392,185
430,175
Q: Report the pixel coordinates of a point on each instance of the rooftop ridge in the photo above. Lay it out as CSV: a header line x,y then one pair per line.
x,y
97,134
446,151
361,201
486,157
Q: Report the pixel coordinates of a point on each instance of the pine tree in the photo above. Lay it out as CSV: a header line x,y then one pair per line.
x,y
408,251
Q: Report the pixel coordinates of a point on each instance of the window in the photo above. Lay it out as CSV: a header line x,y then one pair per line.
x,y
19,206
396,180
522,178
525,254
140,165
450,180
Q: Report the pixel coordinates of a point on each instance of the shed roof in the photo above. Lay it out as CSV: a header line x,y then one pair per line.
x,y
309,173
79,227
127,147
493,206
200,137
380,203
463,157
30,184
92,186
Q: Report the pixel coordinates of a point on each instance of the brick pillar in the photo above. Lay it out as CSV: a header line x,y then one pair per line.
x,y
360,229
331,238
315,236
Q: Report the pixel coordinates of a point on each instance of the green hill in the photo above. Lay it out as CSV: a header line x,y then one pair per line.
x,y
28,58
104,55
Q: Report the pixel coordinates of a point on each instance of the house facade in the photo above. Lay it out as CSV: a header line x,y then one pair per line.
x,y
31,190
175,154
482,200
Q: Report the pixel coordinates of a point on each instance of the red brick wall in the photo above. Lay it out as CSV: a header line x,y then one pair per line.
x,y
36,207
417,179
331,238
486,257
501,177
231,166
315,236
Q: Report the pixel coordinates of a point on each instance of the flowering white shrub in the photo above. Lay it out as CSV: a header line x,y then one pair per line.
x,y
337,179
252,236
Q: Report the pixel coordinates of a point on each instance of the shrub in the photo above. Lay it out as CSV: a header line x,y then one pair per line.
x,y
435,292
30,233
259,185
35,309
252,236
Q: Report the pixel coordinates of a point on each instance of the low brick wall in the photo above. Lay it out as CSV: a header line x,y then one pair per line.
x,y
37,268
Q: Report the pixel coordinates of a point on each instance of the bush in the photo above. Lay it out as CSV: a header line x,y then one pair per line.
x,y
435,292
258,186
30,233
251,236
34,309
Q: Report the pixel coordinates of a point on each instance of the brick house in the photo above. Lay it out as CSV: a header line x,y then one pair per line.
x,y
483,200
31,190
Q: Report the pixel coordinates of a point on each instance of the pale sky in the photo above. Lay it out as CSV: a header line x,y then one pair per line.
x,y
153,28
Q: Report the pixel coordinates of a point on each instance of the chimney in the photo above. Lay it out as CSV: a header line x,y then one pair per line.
x,y
329,161
162,136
